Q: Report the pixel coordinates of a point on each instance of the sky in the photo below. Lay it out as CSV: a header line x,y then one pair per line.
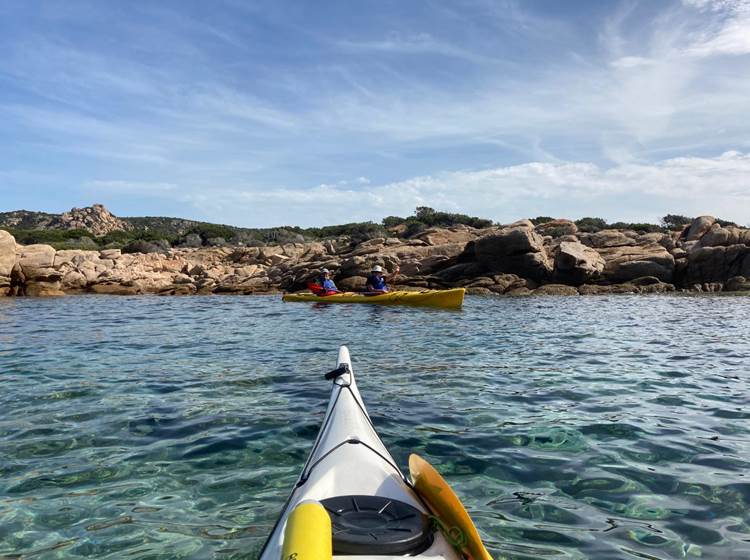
x,y
267,113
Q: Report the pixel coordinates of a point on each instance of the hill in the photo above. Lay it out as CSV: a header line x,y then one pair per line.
x,y
96,227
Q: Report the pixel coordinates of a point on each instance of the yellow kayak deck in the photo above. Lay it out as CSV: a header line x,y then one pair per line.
x,y
453,298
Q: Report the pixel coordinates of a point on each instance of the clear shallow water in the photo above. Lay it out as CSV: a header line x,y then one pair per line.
x,y
572,428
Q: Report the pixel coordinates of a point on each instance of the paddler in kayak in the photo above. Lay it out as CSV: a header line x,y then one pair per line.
x,y
376,283
324,286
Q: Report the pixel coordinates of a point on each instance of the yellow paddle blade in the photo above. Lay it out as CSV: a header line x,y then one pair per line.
x,y
445,505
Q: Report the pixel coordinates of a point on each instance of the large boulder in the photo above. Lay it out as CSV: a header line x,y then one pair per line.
x,y
74,257
666,240
458,271
505,283
427,265
36,263
737,284
448,236
110,254
153,283
626,262
514,250
35,256
354,266
717,264
246,255
42,289
605,238
719,236
351,283
7,253
699,227
74,280
557,228
576,263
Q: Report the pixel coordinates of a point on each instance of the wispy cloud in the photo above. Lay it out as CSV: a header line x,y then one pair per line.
x,y
255,103
419,43
690,185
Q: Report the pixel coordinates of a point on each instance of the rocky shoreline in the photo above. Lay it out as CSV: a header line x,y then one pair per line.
x,y
553,258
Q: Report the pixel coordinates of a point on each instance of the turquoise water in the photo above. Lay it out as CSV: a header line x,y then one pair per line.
x,y
602,428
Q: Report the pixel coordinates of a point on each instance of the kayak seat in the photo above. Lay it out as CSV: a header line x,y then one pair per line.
x,y
375,525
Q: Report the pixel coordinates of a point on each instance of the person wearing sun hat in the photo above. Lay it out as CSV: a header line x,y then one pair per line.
x,y
376,280
325,281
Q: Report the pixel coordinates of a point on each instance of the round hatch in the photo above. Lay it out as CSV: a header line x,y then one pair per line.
x,y
377,525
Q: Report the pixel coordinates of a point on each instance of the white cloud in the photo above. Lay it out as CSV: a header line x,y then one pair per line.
x,y
631,62
726,32
598,121
630,192
732,39
718,5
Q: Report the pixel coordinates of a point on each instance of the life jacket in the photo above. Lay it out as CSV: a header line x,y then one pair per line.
x,y
323,287
377,283
328,284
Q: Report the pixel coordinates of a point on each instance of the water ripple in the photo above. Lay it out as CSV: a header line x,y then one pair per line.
x,y
574,428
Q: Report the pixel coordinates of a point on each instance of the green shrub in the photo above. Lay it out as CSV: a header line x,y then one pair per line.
x,y
591,225
358,231
393,221
117,237
541,220
414,227
141,246
52,237
209,231
675,221
277,236
640,228
725,223
426,217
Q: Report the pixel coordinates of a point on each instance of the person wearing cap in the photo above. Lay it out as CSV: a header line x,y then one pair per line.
x,y
326,284
376,281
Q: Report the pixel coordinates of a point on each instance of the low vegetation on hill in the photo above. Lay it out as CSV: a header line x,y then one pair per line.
x,y
158,233
151,234
670,222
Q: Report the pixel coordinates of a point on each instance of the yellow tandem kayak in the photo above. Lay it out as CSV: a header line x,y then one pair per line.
x,y
434,298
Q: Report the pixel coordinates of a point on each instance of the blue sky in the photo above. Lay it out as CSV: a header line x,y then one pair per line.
x,y
310,113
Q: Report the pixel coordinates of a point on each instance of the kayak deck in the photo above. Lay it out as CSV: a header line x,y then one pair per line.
x,y
349,460
452,298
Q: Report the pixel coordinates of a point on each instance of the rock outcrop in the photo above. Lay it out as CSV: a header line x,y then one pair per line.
x,y
699,227
576,263
7,260
514,250
96,219
514,260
